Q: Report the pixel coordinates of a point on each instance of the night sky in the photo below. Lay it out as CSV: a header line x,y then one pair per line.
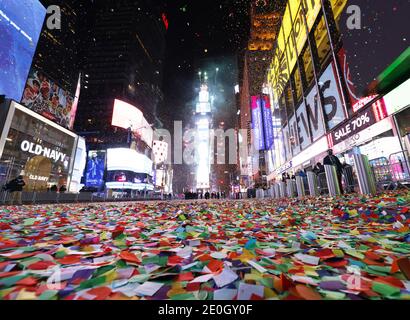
x,y
198,30
385,34
214,28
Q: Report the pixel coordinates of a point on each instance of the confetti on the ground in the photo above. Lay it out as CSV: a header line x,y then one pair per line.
x,y
325,248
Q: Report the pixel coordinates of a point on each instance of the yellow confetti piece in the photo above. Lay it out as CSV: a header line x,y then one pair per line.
x,y
355,254
269,293
24,295
339,253
246,256
174,292
252,277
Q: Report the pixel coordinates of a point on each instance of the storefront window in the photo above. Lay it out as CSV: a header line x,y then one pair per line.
x,y
38,151
289,101
403,120
282,110
337,8
322,41
307,63
297,84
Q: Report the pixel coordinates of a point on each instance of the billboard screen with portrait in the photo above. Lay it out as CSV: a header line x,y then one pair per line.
x,y
44,96
94,176
20,27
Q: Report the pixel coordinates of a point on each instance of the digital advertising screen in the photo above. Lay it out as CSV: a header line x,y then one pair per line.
x,y
20,27
128,160
94,176
127,116
45,97
267,122
257,122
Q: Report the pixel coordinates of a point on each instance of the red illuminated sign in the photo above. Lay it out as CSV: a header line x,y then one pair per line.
x,y
165,20
379,110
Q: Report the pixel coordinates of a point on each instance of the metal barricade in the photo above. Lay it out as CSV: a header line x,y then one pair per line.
x,y
291,188
46,197
306,185
85,197
312,184
391,173
5,197
282,189
67,197
349,180
367,182
400,169
277,190
28,197
300,187
332,180
322,183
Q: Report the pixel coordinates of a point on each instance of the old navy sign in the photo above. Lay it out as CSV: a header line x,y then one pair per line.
x,y
39,150
360,122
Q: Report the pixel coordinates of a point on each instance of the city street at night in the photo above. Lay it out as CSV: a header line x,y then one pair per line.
x,y
345,248
204,159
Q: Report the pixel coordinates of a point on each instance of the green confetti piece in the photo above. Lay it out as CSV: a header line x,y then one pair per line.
x,y
49,295
140,278
9,281
267,282
91,283
384,289
183,296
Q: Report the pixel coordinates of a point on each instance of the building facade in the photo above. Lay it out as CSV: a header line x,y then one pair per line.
x,y
265,24
122,61
319,103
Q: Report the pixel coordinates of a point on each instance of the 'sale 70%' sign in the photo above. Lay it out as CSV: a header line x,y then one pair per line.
x,y
353,126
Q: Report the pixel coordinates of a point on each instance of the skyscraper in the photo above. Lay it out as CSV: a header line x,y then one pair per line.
x,y
123,60
52,87
59,51
265,23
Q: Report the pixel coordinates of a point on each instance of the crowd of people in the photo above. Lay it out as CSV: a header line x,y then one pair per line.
x,y
342,170
207,195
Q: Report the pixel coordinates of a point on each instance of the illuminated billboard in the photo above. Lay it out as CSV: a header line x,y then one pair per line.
x,y
45,97
267,122
128,160
75,104
292,35
332,102
204,105
122,179
94,175
257,123
20,27
127,116
160,149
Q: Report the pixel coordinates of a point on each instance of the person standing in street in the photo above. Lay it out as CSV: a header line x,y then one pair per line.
x,y
15,187
332,160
